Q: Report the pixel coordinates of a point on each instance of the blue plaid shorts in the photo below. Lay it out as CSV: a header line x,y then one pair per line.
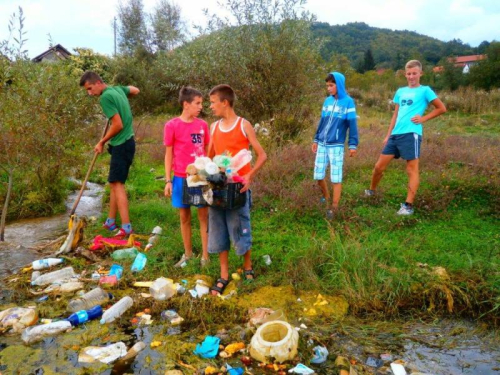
x,y
334,155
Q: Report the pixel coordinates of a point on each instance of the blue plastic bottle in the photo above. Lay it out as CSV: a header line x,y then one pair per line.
x,y
83,316
139,262
117,270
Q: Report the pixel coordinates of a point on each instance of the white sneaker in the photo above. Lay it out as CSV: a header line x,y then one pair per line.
x,y
405,210
369,193
182,262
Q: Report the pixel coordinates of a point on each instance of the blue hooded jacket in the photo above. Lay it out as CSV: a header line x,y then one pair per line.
x,y
338,116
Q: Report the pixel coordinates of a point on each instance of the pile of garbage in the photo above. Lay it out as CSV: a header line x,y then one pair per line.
x,y
272,345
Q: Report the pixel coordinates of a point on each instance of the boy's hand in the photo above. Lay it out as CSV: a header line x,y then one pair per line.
x,y
314,147
246,186
417,119
386,139
168,189
352,152
98,148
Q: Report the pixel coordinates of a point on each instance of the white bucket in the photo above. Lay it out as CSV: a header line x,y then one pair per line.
x,y
274,340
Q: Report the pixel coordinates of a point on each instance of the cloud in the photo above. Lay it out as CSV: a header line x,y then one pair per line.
x,y
77,23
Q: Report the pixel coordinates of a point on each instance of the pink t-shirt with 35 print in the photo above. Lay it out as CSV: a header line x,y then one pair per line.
x,y
188,140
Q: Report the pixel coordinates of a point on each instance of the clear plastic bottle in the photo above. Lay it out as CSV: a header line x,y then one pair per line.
x,y
46,263
95,297
117,310
129,253
37,333
35,275
139,262
242,158
51,277
162,289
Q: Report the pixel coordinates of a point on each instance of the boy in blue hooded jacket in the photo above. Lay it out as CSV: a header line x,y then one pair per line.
x,y
337,118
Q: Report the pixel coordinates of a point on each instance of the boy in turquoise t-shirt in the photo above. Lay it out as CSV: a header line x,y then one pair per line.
x,y
405,132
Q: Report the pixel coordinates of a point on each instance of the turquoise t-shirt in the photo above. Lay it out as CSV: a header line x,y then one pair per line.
x,y
412,102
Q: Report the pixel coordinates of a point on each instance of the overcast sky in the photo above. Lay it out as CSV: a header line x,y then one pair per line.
x,y
88,23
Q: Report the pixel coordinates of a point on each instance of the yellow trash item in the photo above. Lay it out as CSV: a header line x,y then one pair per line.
x,y
235,347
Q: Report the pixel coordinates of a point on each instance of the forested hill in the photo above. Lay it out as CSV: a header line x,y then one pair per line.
x,y
390,49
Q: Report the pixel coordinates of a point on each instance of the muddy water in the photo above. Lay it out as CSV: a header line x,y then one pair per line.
x,y
22,236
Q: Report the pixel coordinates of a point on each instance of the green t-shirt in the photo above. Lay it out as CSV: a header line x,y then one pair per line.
x,y
114,100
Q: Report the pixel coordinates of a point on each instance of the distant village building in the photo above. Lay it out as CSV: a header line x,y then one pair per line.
x,y
53,54
464,62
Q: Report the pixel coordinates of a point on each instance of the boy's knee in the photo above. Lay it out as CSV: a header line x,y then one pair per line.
x,y
379,168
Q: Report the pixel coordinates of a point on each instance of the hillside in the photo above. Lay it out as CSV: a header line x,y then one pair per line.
x,y
390,49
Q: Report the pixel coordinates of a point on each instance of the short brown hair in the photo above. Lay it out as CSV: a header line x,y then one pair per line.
x,y
330,78
187,94
413,64
224,92
90,77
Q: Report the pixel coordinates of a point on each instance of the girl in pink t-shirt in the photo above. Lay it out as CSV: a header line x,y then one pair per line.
x,y
185,138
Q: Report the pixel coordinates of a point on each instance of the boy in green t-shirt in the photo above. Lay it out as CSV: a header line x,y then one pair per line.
x,y
116,108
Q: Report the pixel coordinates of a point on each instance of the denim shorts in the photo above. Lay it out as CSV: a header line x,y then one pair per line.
x,y
405,146
121,160
226,226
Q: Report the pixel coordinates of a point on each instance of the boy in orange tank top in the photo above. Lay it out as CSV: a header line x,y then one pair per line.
x,y
232,134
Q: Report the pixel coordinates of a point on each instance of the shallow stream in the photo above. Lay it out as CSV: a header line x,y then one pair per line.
x,y
440,347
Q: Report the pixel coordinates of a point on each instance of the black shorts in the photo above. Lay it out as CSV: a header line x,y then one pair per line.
x,y
121,160
405,146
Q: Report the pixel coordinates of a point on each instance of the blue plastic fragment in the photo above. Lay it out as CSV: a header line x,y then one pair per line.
x,y
208,348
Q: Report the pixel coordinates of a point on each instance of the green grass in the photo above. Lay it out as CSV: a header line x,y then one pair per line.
x,y
368,253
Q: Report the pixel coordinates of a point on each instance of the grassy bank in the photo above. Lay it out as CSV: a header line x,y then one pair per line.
x,y
442,260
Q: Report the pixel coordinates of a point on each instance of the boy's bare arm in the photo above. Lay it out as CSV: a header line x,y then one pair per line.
x,y
211,151
168,170
393,123
438,110
261,154
133,91
114,129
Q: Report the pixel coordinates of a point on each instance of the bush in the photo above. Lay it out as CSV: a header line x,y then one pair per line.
x,y
45,118
268,56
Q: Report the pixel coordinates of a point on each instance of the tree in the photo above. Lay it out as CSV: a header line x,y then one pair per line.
x,y
486,74
265,51
168,28
369,62
132,31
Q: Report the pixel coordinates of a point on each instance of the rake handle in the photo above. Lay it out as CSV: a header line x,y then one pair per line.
x,y
84,184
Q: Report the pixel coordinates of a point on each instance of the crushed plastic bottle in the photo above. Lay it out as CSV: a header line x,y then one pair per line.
x,y
121,254
95,297
155,236
116,270
37,333
108,280
172,317
162,289
320,354
83,316
46,263
55,276
117,310
18,318
139,262
104,354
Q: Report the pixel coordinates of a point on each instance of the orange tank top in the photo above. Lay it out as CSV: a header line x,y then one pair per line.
x,y
231,141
